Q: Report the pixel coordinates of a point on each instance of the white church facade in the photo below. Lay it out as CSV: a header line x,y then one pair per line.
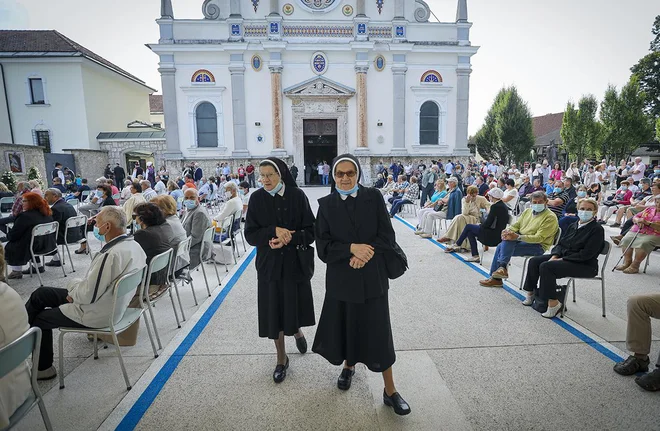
x,y
306,80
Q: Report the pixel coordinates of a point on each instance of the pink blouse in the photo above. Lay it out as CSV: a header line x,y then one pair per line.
x,y
556,174
650,215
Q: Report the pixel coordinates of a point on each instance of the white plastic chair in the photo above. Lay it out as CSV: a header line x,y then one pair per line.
x,y
44,230
226,225
160,262
77,222
6,202
84,195
207,247
607,248
74,203
182,249
527,258
14,355
234,231
126,285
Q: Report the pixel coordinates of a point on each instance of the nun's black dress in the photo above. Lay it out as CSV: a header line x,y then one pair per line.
x,y
284,294
355,319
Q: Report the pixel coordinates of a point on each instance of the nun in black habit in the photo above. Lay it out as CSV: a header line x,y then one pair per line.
x,y
353,233
279,219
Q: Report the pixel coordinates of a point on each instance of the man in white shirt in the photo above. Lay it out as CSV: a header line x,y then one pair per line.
x,y
638,170
126,191
245,193
233,205
147,191
87,303
449,168
160,188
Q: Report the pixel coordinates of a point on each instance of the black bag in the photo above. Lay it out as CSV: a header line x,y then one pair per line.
x,y
438,207
541,305
396,261
306,258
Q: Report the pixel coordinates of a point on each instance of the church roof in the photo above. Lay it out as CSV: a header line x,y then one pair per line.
x,y
156,103
547,123
53,43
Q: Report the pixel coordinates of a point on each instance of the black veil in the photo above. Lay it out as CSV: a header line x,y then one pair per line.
x,y
283,169
344,158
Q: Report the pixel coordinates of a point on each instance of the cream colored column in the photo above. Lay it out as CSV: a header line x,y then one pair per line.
x,y
361,93
276,100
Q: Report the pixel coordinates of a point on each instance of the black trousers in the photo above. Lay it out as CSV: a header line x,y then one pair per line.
x,y
427,192
626,227
43,312
540,267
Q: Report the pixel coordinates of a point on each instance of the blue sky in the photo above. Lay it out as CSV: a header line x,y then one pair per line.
x,y
552,51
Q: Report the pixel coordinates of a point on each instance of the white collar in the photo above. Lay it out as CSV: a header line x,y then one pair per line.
x,y
353,195
281,192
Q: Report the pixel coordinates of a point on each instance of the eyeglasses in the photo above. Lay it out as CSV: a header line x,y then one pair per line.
x,y
267,176
349,174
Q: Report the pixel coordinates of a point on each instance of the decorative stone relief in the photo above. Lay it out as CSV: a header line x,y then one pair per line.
x,y
287,9
255,4
319,63
210,9
422,12
347,10
318,5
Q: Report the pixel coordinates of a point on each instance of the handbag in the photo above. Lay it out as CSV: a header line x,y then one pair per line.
x,y
438,207
396,262
305,255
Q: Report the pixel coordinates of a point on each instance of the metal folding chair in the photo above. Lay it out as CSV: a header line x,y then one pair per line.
x,y
527,258
607,248
77,222
44,230
160,262
124,286
6,203
14,355
648,259
207,247
180,262
237,228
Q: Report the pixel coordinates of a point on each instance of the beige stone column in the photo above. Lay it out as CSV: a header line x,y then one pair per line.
x,y
276,100
361,94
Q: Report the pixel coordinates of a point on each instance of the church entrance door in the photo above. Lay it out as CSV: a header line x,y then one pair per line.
x,y
320,145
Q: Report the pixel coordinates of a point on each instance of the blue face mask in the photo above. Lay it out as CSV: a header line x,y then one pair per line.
x,y
347,192
624,188
656,171
582,194
97,235
99,193
537,208
241,192
585,216
189,204
558,190
276,190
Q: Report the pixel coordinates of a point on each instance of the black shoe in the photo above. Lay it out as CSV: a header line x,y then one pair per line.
x,y
54,263
80,251
631,366
650,381
301,344
31,270
280,372
345,378
395,401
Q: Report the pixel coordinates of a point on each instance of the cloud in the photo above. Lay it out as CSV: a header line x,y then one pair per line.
x,y
13,15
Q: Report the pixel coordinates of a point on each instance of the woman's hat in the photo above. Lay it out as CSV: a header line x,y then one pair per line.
x,y
496,193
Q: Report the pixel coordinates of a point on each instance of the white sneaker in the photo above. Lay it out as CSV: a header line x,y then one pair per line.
x,y
528,301
419,232
47,374
552,311
473,259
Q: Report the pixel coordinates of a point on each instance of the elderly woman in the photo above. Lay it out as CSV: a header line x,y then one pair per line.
x,y
168,207
35,187
576,255
641,239
35,211
176,193
434,203
195,222
155,236
389,186
620,199
280,223
126,191
573,172
353,236
471,209
451,207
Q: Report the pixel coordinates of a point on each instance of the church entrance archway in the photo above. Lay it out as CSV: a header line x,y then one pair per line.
x,y
320,145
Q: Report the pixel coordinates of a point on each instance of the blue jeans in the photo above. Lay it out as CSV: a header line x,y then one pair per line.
x,y
470,232
397,204
325,179
507,249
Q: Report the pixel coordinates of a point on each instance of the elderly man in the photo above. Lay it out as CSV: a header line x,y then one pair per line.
x,y
22,188
233,205
94,201
87,303
525,189
641,309
57,184
195,222
147,191
160,187
62,211
637,171
479,183
532,235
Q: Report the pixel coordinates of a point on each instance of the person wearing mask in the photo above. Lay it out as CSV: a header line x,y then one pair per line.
x,y
656,173
450,207
531,235
87,302
104,194
195,222
575,255
279,222
245,194
489,232
570,215
429,178
233,206
62,212
35,211
558,199
636,200
353,237
621,198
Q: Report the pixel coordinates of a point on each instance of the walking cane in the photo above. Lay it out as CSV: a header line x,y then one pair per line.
x,y
625,251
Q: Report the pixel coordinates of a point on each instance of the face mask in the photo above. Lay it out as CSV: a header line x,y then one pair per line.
x,y
558,189
624,188
190,204
348,192
656,171
537,208
277,188
98,235
585,216
582,194
241,192
99,193
227,195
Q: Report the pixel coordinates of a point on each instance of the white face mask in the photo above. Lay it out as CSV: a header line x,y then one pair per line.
x,y
227,195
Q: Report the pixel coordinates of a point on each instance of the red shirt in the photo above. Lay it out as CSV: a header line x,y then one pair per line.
x,y
249,169
191,185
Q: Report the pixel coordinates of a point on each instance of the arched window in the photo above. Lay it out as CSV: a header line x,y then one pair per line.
x,y
207,125
429,121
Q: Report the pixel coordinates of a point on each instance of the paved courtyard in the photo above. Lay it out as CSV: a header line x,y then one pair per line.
x,y
468,358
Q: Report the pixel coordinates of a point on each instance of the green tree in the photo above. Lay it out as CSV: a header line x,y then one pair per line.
x,y
625,125
647,71
507,131
580,131
657,129
655,43
9,179
34,174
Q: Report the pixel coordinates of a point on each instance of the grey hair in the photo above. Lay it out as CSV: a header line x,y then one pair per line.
x,y
145,184
115,215
55,192
231,186
539,195
645,181
25,184
192,190
128,182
